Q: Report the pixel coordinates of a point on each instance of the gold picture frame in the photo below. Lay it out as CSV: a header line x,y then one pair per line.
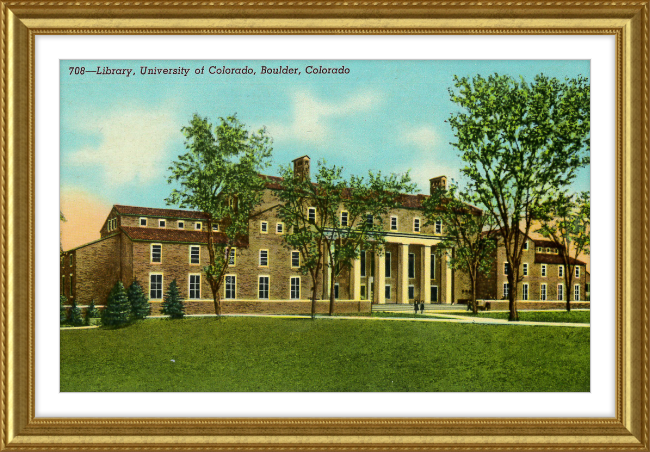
x,y
628,21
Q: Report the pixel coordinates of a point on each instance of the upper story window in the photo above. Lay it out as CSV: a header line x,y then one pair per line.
x,y
112,224
370,221
215,227
295,259
577,271
198,226
506,268
344,218
143,221
264,258
525,269
548,250
438,226
411,266
162,223
543,269
279,228
180,224
362,258
540,249
526,245
264,227
195,254
560,271
393,223
233,257
71,260
416,225
156,253
311,214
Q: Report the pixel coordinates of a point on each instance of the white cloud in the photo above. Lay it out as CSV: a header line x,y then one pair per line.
x,y
312,115
133,143
422,137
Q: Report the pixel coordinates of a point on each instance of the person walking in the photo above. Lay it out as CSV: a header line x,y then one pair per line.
x,y
422,307
415,306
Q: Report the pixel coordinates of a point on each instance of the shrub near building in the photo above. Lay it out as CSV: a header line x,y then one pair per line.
x,y
118,308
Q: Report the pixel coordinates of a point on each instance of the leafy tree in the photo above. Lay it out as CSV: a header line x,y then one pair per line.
x,y
468,232
566,221
118,308
74,315
219,175
173,305
140,307
326,240
64,317
522,143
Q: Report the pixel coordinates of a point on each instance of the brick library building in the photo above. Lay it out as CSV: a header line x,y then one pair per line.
x,y
155,246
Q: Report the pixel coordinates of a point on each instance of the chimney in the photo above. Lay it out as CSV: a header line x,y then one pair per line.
x,y
301,167
437,182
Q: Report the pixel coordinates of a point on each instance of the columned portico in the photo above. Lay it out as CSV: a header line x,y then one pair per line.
x,y
425,278
379,294
402,273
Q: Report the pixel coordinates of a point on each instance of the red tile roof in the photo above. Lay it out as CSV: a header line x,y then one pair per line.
x,y
554,259
176,235
167,213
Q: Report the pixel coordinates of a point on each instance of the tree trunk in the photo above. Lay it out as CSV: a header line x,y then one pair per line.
x,y
473,296
512,297
332,279
215,297
569,279
313,301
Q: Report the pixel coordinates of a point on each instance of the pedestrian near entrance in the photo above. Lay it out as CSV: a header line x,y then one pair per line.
x,y
415,306
421,307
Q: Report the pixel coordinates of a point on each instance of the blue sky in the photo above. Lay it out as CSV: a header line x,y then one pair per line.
x,y
119,134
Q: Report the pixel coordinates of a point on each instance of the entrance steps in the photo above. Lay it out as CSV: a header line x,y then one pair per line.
x,y
428,307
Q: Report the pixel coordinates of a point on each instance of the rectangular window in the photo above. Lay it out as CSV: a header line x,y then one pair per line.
x,y
433,266
195,254
524,289
560,271
542,294
71,285
162,223
526,246
62,284
540,249
143,221
336,290
387,291
416,225
506,289
71,260
198,226
233,257
156,253
411,292
438,226
576,292
363,263
543,269
362,292
263,288
264,227
393,223
506,268
344,218
215,228
370,220
311,212
264,258
434,294
180,225
587,287
279,228
195,287
577,271
295,287
411,265
525,269
156,286
387,265
295,259
560,292
231,287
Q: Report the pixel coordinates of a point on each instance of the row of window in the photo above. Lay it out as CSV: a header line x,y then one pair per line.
x,y
264,227
180,224
542,249
112,224
195,256
388,266
345,218
543,292
544,268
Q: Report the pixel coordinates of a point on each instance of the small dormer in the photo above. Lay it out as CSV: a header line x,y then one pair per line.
x,y
301,167
436,183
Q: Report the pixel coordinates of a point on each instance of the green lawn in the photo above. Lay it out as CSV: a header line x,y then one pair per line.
x,y
267,354
538,316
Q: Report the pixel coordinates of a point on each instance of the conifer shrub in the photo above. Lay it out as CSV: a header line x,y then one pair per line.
x,y
64,317
118,308
140,307
74,315
173,305
91,312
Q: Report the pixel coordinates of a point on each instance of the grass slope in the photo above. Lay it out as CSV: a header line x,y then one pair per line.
x,y
538,316
266,354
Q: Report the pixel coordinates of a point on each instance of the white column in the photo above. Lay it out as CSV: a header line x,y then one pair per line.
x,y
447,269
380,278
355,283
425,279
403,274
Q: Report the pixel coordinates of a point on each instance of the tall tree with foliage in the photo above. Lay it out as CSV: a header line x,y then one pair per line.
x,y
173,306
118,308
522,143
327,240
469,233
219,175
566,222
140,307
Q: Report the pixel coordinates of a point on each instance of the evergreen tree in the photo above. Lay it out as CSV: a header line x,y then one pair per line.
x,y
173,305
117,308
74,315
91,312
140,307
64,317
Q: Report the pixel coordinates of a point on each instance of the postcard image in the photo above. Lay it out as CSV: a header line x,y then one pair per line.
x,y
325,226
